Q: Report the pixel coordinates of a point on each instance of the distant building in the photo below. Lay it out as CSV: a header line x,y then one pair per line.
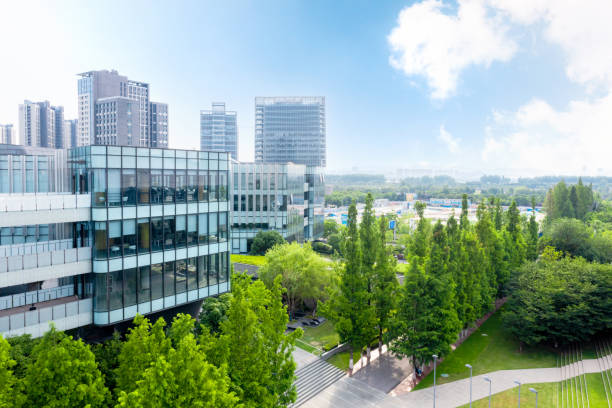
x,y
7,134
114,110
284,197
70,133
290,129
158,124
219,130
41,125
446,202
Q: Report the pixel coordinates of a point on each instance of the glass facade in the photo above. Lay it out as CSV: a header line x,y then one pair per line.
x,y
219,130
160,220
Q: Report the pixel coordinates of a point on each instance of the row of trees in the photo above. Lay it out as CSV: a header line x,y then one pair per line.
x,y
242,360
361,304
575,201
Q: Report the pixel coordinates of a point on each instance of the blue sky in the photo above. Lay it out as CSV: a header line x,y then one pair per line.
x,y
492,86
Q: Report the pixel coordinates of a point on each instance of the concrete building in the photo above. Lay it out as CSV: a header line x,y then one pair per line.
x,y
41,125
93,235
7,134
158,124
287,198
70,133
290,129
219,130
114,110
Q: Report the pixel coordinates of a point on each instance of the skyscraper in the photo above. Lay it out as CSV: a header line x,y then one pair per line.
x,y
158,124
290,129
70,133
114,110
7,134
219,130
41,124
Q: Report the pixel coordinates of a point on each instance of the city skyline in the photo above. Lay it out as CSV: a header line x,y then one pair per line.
x,y
449,101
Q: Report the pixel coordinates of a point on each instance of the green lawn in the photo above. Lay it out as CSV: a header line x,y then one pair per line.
x,y
248,259
498,350
341,360
546,395
323,334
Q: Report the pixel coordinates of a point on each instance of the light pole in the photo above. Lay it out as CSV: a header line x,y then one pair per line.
x,y
435,357
470,367
536,393
519,389
487,379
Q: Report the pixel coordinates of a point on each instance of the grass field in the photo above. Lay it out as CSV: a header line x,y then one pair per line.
x,y
341,360
498,350
323,334
248,259
547,396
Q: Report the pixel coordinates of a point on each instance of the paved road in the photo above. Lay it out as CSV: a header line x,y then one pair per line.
x,y
345,392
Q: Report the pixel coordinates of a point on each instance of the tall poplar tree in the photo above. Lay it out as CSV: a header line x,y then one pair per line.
x,y
463,221
385,284
532,243
368,242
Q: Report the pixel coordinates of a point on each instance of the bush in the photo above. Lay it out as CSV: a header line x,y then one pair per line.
x,y
265,240
322,248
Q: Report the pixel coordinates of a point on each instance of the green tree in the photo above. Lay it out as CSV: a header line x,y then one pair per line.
x,y
254,347
214,311
532,242
385,284
463,221
21,351
63,374
8,395
145,343
264,240
304,274
107,358
330,227
457,266
348,306
498,219
419,242
369,248
181,378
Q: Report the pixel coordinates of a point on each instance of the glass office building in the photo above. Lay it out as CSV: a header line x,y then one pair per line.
x,y
275,197
290,129
219,130
144,230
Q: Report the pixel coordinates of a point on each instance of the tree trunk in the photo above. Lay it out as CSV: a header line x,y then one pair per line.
x,y
380,341
368,351
351,359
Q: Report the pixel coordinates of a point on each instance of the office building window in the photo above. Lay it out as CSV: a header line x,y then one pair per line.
x,y
144,186
222,186
169,278
99,187
223,234
203,271
115,290
203,185
144,284
114,238
213,269
157,187
100,293
212,228
192,229
128,187
169,232
144,241
181,231
129,237
169,186
43,175
192,186
181,186
203,228
130,287
181,276
214,185
192,274
157,234
30,174
114,187
157,285
223,268
101,247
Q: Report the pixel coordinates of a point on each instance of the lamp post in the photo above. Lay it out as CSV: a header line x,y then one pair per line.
x,y
487,379
470,367
435,357
536,393
519,390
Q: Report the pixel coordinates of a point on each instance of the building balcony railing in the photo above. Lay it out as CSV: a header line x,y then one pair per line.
x,y
32,248
66,313
41,202
43,259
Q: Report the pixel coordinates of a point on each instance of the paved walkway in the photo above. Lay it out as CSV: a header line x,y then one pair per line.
x,y
385,372
302,358
343,393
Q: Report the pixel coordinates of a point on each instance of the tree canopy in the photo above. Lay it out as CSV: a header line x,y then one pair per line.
x,y
264,240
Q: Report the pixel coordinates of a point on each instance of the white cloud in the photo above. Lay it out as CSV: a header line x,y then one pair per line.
x,y
429,42
451,142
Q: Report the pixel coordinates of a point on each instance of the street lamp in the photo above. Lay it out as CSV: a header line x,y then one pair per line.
x,y
435,357
536,393
470,367
487,379
519,389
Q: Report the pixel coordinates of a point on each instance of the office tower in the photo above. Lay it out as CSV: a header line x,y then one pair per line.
x,y
41,124
70,133
113,110
7,134
116,231
290,129
158,124
219,130
283,197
